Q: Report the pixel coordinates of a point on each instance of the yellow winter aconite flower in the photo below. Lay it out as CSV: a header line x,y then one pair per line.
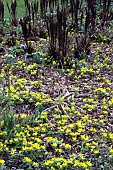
x,y
96,151
76,163
104,107
33,72
2,161
74,138
27,148
89,163
35,163
83,164
58,150
17,134
111,150
52,168
93,130
85,117
42,147
94,143
13,151
54,62
68,131
27,159
81,156
105,112
111,135
101,121
111,102
58,164
54,144
67,146
87,144
107,60
1,145
84,137
79,124
104,134
20,62
6,148
38,140
100,91
80,130
71,125
49,162
16,139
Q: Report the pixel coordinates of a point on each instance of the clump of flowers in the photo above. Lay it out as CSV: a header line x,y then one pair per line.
x,y
101,92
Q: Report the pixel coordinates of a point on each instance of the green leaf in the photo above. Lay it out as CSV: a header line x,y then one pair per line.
x,y
36,58
11,59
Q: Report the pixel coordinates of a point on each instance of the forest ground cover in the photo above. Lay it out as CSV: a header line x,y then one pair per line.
x,y
55,117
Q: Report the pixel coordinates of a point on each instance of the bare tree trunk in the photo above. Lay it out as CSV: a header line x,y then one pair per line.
x,y
1,11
